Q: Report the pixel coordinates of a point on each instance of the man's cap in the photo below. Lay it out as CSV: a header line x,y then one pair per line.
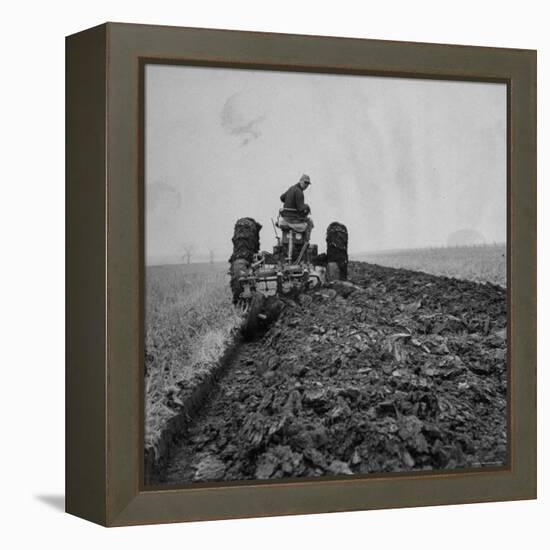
x,y
305,179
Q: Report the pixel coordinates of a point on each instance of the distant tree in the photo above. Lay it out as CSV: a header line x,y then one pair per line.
x,y
188,251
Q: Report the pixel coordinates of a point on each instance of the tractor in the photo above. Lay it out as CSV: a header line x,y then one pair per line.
x,y
260,280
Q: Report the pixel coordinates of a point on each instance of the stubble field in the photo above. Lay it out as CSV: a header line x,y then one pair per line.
x,y
189,321
472,263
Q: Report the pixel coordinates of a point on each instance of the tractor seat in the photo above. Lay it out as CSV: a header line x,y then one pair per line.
x,y
299,227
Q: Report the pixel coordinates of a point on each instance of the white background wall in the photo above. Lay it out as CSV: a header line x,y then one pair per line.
x,y
32,286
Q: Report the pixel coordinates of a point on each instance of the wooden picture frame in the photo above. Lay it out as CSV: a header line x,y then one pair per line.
x,y
104,186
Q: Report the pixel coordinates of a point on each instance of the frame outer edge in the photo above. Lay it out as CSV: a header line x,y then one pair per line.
x,y
128,503
85,290
523,302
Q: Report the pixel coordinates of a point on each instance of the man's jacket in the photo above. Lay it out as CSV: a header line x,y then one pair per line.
x,y
293,199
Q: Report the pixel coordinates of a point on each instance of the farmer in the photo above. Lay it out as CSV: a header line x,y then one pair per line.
x,y
295,210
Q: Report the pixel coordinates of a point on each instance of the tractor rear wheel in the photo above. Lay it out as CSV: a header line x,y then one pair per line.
x,y
239,268
337,251
246,243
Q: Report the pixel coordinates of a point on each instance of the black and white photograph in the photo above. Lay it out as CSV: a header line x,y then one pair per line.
x,y
325,280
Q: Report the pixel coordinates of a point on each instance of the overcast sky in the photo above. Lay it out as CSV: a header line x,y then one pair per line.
x,y
402,162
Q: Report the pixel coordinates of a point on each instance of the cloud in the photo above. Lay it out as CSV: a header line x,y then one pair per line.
x,y
239,119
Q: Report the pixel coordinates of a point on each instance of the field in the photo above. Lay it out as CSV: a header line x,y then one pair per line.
x,y
473,263
408,338
393,371
189,321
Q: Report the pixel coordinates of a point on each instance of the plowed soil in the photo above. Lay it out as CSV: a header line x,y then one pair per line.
x,y
395,371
